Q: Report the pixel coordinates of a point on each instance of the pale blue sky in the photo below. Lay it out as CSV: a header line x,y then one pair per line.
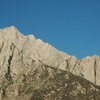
x,y
72,26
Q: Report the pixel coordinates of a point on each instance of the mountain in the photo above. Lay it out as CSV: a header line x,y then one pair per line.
x,y
31,69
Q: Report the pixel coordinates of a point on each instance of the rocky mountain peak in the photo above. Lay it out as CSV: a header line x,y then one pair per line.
x,y
28,64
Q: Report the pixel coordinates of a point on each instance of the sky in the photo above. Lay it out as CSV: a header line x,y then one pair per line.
x,y
72,26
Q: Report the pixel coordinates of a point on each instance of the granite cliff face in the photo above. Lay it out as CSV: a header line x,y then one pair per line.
x,y
33,70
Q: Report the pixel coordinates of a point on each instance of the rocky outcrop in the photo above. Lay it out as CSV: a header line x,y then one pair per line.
x,y
31,69
89,68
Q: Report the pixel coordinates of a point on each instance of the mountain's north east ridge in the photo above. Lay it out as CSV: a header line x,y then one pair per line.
x,y
31,69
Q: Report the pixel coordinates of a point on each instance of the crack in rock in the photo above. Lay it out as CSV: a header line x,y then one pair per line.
x,y
8,74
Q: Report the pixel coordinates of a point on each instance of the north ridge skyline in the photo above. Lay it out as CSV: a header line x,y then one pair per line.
x,y
70,26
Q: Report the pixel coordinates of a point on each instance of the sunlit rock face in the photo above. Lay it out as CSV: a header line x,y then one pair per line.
x,y
31,69
89,68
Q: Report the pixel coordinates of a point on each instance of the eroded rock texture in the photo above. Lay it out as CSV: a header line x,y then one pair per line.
x,y
33,70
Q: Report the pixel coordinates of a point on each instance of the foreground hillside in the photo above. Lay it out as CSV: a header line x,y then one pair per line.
x,y
43,82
